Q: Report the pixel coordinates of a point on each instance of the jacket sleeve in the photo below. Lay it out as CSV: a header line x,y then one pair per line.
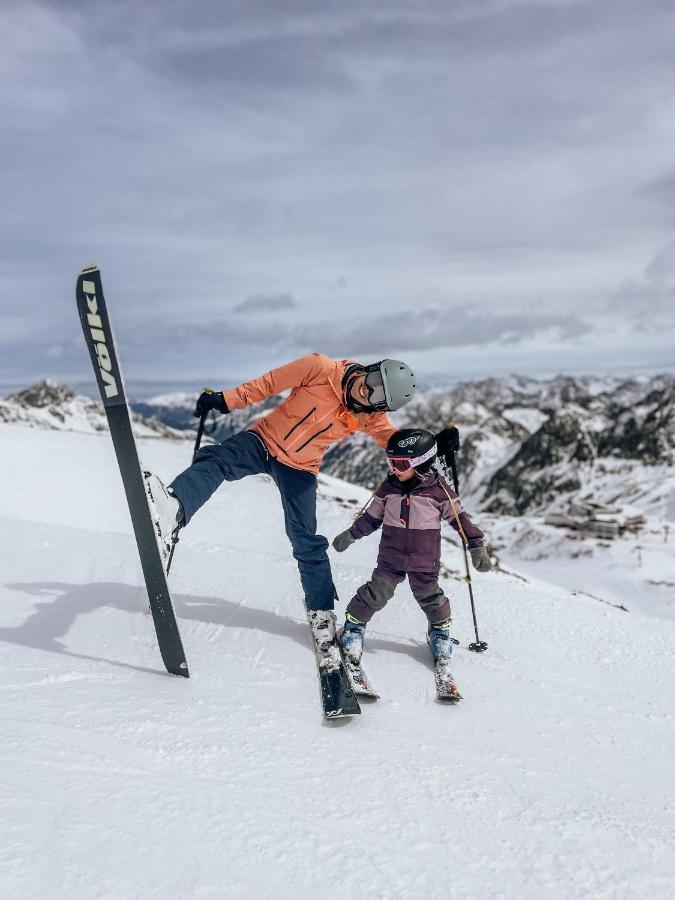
x,y
377,426
303,371
370,520
452,510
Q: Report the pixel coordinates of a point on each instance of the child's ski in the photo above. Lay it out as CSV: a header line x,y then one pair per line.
x,y
359,679
446,689
99,337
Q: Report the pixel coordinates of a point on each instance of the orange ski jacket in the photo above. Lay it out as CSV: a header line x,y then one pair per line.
x,y
314,416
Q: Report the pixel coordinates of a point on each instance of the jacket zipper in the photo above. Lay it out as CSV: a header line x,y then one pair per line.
x,y
298,424
406,521
303,432
309,440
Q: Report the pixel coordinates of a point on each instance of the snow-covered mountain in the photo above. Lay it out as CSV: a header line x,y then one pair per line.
x,y
57,407
120,781
528,445
177,411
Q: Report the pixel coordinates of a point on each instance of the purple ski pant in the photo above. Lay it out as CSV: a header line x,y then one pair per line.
x,y
376,593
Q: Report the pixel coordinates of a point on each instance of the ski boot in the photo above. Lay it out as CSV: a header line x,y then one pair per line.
x,y
438,638
351,644
166,512
351,640
322,625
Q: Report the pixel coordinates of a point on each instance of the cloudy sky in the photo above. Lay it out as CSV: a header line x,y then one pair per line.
x,y
475,186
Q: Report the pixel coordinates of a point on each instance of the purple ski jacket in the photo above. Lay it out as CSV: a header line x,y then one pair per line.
x,y
411,523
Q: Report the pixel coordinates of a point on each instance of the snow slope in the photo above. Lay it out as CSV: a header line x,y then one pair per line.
x,y
553,779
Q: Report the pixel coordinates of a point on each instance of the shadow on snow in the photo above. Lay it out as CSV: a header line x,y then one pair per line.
x,y
60,604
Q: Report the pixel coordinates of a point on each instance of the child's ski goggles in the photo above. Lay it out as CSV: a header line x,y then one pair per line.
x,y
403,463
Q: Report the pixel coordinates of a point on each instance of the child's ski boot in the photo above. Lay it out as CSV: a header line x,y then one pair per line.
x,y
438,638
351,640
351,644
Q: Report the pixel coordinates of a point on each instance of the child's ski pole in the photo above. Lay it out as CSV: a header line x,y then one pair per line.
x,y
449,460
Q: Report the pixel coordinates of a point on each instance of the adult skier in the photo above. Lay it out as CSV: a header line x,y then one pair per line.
x,y
329,400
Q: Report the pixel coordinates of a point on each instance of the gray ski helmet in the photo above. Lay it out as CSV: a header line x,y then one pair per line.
x,y
391,383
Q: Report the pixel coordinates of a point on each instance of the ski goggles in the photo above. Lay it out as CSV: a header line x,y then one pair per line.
x,y
375,387
403,463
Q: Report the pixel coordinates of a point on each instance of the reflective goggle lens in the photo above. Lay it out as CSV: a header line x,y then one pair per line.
x,y
375,386
399,463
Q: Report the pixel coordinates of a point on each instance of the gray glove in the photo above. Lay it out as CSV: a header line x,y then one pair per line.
x,y
480,559
343,540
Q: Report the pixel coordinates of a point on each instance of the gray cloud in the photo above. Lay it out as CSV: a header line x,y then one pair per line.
x,y
429,329
649,299
418,330
262,303
514,151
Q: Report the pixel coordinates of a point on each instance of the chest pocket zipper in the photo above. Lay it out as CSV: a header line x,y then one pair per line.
x,y
309,440
298,424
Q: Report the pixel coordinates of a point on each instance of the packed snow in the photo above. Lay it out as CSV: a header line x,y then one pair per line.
x,y
553,778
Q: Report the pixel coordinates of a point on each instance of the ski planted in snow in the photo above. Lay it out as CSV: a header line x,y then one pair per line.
x,y
100,341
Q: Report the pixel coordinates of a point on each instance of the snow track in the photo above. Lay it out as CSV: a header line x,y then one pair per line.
x,y
552,779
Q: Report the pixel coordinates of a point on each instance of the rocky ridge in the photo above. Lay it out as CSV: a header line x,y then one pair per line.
x,y
57,407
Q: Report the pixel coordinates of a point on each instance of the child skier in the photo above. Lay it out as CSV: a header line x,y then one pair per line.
x,y
409,505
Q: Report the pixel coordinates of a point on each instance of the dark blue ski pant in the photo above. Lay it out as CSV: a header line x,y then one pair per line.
x,y
246,454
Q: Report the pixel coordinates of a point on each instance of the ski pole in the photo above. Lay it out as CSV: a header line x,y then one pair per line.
x,y
200,432
477,646
369,499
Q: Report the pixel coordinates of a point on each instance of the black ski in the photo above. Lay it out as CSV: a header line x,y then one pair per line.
x,y
337,697
100,341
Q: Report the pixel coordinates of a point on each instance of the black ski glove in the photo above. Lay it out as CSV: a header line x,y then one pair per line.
x,y
447,440
480,559
343,540
209,400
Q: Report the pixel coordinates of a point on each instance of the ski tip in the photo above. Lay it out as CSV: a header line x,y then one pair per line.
x,y
89,268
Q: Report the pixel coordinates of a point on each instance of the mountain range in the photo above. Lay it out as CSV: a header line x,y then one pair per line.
x,y
528,445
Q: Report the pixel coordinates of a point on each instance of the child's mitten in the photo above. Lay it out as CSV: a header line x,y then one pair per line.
x,y
480,559
343,540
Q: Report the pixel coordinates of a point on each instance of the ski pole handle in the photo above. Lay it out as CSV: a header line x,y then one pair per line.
x,y
200,431
453,468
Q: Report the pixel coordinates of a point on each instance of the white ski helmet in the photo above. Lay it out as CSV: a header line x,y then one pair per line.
x,y
390,383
